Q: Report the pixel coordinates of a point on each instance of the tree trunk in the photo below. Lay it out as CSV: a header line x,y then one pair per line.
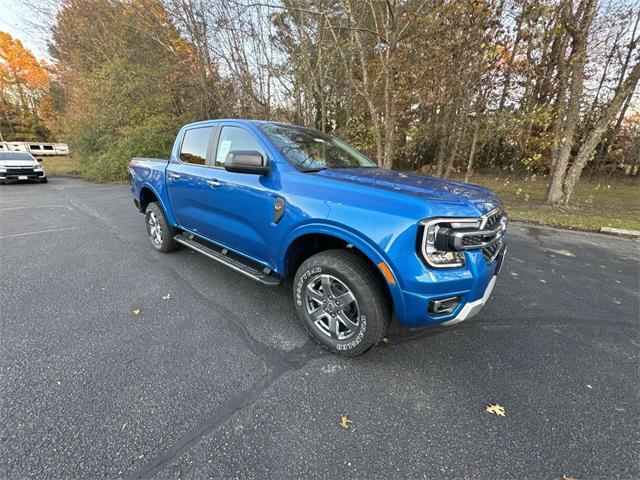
x,y
577,61
389,88
588,146
472,153
443,140
507,77
614,133
454,152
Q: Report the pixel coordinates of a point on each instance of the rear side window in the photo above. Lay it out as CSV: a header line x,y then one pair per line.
x,y
235,138
195,145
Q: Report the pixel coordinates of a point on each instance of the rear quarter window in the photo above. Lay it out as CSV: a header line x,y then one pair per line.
x,y
195,145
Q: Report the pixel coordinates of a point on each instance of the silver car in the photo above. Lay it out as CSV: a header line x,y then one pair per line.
x,y
18,166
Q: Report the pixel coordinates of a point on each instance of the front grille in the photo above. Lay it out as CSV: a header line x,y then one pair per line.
x,y
472,240
20,171
490,251
494,219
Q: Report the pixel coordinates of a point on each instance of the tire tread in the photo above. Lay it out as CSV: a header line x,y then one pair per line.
x,y
168,242
364,276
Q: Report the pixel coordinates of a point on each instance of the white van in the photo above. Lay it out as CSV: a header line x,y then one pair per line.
x,y
61,148
41,148
17,147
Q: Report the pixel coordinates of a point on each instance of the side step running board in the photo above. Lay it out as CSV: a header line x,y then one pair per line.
x,y
223,257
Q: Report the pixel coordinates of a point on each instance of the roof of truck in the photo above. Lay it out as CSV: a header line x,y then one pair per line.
x,y
243,120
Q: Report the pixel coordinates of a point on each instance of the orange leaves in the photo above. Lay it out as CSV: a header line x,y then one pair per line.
x,y
19,64
344,422
496,409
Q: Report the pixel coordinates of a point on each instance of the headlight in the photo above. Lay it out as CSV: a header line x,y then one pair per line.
x,y
444,240
435,241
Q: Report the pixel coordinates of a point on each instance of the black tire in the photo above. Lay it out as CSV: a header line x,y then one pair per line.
x,y
44,180
162,238
345,272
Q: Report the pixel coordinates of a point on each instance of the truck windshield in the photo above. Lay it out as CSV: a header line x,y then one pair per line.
x,y
310,150
16,156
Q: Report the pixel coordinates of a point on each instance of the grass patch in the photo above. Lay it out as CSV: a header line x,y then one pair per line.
x,y
596,202
62,166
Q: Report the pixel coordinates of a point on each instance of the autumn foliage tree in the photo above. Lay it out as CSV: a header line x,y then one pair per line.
x,y
528,87
129,82
24,82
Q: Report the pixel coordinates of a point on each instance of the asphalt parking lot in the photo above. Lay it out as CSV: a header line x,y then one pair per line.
x,y
220,381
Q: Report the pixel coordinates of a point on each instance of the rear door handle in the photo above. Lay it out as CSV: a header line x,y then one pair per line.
x,y
174,175
213,183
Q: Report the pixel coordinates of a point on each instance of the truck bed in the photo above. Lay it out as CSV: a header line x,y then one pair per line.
x,y
148,172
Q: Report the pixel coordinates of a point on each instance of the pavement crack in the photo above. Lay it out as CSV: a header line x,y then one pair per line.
x,y
293,361
277,362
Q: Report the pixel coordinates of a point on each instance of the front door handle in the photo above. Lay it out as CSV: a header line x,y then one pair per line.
x,y
213,183
174,175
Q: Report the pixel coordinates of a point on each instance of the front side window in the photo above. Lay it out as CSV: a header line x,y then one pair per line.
x,y
310,150
235,138
195,145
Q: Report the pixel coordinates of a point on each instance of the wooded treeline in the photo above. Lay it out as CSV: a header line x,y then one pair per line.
x,y
530,86
27,93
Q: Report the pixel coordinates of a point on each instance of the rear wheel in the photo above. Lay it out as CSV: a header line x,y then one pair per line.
x,y
341,302
160,232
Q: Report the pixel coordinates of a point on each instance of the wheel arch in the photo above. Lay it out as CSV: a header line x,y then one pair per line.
x,y
149,194
314,238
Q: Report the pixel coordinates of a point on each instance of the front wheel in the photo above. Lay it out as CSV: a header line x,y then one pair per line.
x,y
341,302
160,232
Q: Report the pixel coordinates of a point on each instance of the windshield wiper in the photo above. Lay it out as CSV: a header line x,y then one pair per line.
x,y
312,170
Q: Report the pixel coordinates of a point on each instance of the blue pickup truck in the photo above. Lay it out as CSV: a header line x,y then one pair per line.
x,y
362,245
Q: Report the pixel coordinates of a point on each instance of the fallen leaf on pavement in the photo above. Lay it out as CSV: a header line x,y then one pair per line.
x,y
344,422
136,311
568,477
565,253
167,296
385,340
495,409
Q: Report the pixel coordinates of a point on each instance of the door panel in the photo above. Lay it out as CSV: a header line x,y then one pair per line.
x,y
188,194
242,208
186,178
243,202
232,209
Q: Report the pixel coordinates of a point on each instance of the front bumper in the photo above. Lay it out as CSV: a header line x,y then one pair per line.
x,y
471,309
473,284
23,174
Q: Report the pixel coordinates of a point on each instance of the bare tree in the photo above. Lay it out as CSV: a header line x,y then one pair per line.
x,y
577,25
587,148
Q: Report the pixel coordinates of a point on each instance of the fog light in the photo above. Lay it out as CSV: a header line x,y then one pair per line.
x,y
443,306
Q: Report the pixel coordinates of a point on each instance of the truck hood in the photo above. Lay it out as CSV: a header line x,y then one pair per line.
x,y
428,188
17,163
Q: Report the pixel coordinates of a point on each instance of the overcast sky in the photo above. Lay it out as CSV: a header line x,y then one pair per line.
x,y
17,20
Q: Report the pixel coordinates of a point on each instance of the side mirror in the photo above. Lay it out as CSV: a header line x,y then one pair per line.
x,y
247,161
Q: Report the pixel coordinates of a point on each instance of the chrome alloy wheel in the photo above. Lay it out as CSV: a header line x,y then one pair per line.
x,y
155,229
332,307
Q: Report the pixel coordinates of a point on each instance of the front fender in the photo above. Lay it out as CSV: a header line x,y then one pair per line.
x,y
365,245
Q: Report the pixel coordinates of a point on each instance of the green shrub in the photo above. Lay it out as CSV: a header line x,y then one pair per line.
x,y
109,161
